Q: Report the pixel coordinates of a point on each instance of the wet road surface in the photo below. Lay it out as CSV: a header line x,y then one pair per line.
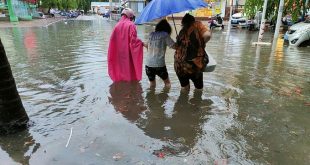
x,y
254,108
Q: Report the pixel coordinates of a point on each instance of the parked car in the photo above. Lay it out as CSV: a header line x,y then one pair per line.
x,y
63,13
238,19
299,34
70,14
38,15
73,14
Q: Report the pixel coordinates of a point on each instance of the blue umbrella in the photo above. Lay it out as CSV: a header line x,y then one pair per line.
x,y
161,8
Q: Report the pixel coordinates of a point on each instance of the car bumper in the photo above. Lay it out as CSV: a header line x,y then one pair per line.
x,y
297,40
241,23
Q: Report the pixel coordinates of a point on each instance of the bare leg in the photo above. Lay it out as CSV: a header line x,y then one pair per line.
x,y
196,100
152,84
167,83
186,88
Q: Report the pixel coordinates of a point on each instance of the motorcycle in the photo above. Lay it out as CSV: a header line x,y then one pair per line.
x,y
216,21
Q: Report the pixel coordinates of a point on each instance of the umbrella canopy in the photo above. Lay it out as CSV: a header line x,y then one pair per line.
x,y
161,8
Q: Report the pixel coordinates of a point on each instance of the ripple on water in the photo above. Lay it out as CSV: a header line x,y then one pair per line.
x,y
64,83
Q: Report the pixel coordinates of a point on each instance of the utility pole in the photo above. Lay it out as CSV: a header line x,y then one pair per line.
x,y
262,27
276,34
304,8
110,2
236,7
230,14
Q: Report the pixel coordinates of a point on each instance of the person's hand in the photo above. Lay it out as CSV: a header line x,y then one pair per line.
x,y
145,44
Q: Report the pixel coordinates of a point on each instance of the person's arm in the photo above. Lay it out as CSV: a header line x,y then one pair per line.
x,y
136,52
206,36
203,31
170,42
134,40
145,44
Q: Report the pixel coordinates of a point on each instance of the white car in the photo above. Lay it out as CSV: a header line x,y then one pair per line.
x,y
38,15
238,19
299,34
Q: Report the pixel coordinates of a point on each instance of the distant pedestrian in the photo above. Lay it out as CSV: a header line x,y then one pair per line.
x,y
155,59
52,12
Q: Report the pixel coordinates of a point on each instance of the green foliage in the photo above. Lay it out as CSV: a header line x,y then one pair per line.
x,y
292,7
67,4
84,4
252,6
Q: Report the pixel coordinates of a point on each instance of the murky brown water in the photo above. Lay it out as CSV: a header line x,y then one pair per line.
x,y
254,108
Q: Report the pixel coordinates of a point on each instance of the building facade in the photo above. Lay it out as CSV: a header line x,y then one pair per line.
x,y
137,5
215,7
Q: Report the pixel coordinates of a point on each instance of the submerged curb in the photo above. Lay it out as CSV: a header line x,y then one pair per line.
x,y
33,23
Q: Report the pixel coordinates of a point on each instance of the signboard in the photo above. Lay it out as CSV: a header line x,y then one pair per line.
x,y
99,4
214,7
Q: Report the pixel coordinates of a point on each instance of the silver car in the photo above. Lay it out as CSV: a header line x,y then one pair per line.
x,y
238,20
299,34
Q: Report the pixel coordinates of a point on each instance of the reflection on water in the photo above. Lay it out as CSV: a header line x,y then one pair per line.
x,y
254,108
126,97
20,146
182,129
30,44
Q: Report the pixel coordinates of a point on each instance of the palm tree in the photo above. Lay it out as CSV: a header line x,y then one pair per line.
x,y
12,113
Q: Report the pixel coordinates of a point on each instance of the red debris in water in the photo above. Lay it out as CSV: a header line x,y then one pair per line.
x,y
161,155
297,90
220,162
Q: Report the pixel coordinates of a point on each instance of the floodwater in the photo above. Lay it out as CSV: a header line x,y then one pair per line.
x,y
254,108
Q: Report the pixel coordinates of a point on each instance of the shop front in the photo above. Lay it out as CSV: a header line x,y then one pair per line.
x,y
214,7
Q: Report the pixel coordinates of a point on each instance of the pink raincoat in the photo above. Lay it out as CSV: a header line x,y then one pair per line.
x,y
125,54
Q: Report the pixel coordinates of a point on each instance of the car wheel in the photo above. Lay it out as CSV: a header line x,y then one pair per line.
x,y
305,43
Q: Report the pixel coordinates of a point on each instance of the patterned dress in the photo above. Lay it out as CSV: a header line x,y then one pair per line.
x,y
190,53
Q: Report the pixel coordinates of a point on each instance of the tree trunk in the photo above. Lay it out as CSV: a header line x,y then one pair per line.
x,y
12,113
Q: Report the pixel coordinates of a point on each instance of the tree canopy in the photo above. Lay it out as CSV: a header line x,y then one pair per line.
x,y
293,7
67,4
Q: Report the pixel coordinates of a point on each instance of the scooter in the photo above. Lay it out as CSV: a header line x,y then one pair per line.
x,y
216,21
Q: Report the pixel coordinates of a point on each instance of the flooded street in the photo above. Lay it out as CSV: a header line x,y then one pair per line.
x,y
254,108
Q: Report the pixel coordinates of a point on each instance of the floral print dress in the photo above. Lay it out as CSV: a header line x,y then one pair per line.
x,y
190,53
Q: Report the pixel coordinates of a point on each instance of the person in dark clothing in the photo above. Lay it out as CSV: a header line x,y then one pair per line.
x,y
190,53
